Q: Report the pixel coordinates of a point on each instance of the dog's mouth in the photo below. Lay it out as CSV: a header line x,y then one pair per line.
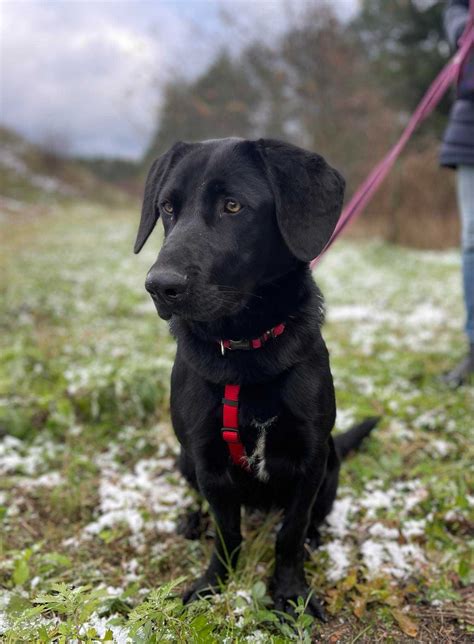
x,y
200,304
162,309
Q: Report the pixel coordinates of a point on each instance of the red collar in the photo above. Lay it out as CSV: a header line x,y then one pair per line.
x,y
230,402
254,343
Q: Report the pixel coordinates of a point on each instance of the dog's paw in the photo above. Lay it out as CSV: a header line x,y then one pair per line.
x,y
313,541
285,599
201,589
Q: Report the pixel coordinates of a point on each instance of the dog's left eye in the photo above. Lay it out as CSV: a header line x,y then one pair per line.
x,y
167,207
231,206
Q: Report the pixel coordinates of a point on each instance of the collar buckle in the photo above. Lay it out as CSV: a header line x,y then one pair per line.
x,y
239,344
256,343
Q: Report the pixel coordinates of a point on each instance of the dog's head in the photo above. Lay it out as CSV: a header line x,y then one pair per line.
x,y
236,214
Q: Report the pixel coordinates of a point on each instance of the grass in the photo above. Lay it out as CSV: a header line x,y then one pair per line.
x,y
90,494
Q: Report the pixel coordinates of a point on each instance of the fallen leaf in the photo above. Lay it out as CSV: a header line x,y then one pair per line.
x,y
392,600
359,606
350,581
406,624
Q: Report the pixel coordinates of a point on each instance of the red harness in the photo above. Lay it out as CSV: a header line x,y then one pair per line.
x,y
230,402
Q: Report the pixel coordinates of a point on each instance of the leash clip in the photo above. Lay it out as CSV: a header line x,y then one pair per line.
x,y
222,347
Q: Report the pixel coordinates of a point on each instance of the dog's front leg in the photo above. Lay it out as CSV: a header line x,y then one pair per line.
x,y
226,510
289,581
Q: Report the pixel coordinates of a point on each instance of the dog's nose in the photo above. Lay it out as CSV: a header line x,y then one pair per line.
x,y
168,285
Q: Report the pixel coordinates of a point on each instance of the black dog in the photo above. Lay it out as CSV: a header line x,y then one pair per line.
x,y
242,219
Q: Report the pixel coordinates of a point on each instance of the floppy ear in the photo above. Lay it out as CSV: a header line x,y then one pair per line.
x,y
308,196
154,181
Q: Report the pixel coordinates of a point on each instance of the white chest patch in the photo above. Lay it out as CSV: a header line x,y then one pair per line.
x,y
257,458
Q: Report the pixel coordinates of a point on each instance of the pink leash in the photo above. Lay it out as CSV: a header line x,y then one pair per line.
x,y
438,87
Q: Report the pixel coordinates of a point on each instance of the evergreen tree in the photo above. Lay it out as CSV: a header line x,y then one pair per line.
x,y
405,44
219,103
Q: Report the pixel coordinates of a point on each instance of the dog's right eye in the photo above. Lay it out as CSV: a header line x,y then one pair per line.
x,y
232,206
167,207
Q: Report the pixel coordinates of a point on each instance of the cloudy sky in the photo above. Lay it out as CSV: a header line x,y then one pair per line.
x,y
89,72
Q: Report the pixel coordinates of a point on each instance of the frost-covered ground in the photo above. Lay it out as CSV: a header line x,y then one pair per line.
x,y
90,495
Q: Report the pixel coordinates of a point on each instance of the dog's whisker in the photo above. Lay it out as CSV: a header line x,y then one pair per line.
x,y
231,289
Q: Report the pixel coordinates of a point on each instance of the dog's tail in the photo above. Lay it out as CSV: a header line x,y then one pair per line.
x,y
352,439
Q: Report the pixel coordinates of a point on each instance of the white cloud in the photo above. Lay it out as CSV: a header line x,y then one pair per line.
x,y
87,71
90,72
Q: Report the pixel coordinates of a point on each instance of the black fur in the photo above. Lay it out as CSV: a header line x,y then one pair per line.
x,y
230,276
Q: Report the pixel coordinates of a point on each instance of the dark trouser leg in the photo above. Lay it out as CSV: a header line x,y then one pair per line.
x,y
465,177
468,282
465,184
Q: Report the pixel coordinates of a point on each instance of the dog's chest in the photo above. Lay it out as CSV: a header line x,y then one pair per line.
x,y
259,411
257,457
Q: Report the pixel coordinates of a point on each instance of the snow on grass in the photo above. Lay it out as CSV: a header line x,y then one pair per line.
x,y
19,457
345,418
339,554
5,621
10,158
358,527
88,356
152,488
414,528
382,557
338,520
420,316
376,500
378,530
442,447
102,626
50,479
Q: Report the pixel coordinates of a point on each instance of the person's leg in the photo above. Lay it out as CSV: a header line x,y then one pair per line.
x,y
466,206
465,191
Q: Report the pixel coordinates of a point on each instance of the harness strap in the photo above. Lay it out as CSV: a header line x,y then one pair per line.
x,y
230,430
230,402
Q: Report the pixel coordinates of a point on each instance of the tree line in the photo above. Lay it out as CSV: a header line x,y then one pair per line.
x,y
344,89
